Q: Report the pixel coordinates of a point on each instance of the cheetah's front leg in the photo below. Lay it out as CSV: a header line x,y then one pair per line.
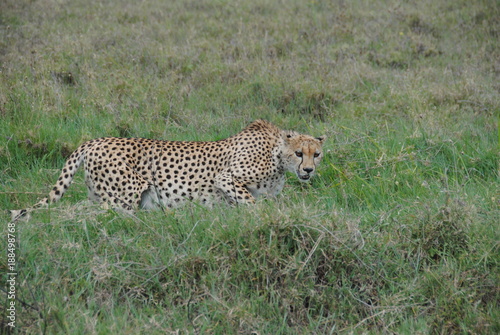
x,y
233,188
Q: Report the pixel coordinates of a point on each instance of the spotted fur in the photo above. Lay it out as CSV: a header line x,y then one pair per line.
x,y
142,173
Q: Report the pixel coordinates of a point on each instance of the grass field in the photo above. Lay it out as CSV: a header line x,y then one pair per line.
x,y
398,234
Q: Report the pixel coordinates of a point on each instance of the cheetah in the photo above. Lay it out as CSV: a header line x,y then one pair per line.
x,y
134,173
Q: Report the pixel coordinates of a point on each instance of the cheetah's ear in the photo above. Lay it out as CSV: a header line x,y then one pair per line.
x,y
321,138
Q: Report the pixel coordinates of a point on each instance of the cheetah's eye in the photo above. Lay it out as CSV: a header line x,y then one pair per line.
x,y
298,153
316,154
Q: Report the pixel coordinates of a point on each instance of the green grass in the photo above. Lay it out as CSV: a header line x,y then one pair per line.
x,y
397,234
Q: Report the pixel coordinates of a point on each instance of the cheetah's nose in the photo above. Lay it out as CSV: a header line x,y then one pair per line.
x,y
308,170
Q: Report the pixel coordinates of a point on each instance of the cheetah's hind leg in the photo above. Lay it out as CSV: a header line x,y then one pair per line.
x,y
120,190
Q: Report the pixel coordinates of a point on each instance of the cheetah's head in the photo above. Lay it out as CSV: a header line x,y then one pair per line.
x,y
302,154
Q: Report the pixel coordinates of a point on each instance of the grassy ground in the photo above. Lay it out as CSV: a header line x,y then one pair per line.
x,y
398,234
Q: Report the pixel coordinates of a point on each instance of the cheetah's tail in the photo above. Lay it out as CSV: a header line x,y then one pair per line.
x,y
65,178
